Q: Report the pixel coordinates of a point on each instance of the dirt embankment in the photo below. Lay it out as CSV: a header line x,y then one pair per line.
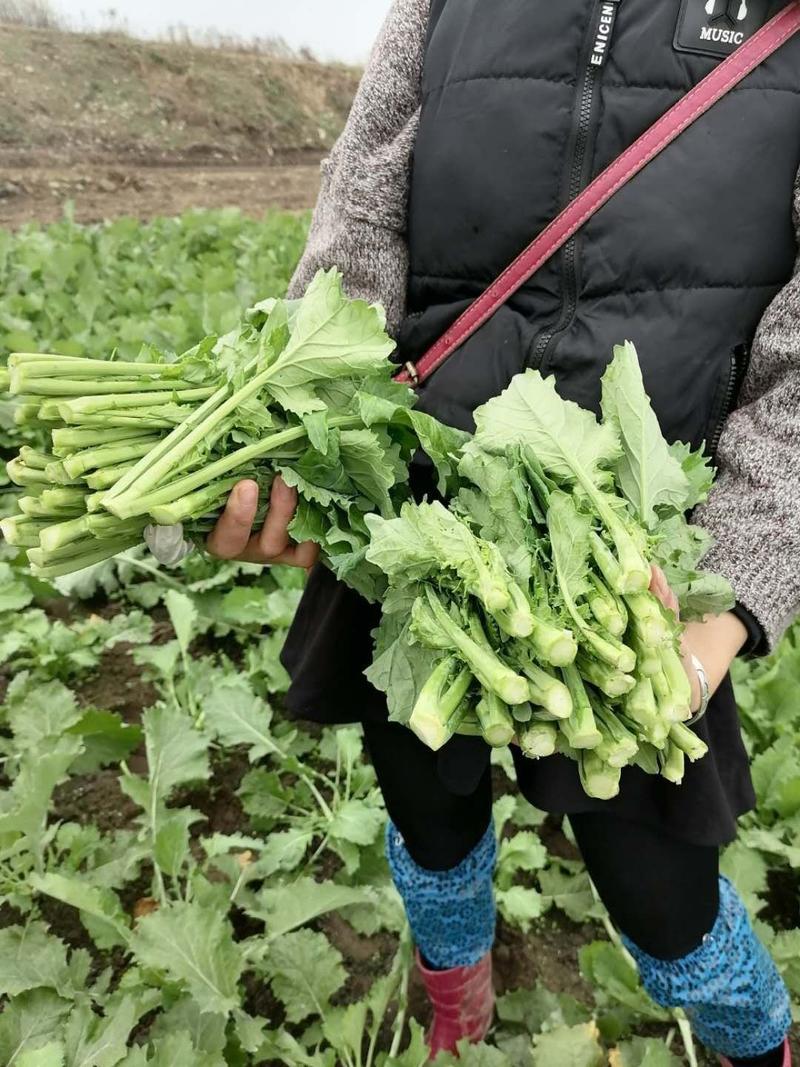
x,y
126,126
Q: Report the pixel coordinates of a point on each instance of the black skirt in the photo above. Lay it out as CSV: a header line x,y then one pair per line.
x,y
329,646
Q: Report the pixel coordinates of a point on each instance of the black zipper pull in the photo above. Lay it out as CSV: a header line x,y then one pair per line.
x,y
606,21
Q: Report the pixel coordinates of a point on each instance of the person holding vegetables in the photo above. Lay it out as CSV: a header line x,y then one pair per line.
x,y
474,125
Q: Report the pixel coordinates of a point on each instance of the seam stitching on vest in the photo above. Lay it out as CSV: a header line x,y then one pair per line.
x,y
494,297
621,289
681,89
498,78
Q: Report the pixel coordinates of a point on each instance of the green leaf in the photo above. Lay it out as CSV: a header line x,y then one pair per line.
x,y
748,872
107,739
49,1055
345,1028
575,1046
183,616
540,1009
171,845
605,966
305,971
569,539
285,908
370,466
27,803
99,1042
15,593
236,716
567,440
194,947
206,1030
37,710
357,822
30,1022
416,1054
571,893
399,668
520,906
331,337
176,751
101,905
284,851
427,540
698,470
776,777
522,852
785,950
643,1052
647,472
472,1056
30,958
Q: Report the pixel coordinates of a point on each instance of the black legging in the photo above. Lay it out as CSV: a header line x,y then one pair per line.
x,y
663,893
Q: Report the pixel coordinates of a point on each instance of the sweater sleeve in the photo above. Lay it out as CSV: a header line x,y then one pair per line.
x,y
754,509
359,223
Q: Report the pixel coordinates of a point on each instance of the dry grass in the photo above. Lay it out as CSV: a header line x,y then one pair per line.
x,y
38,14
34,13
273,47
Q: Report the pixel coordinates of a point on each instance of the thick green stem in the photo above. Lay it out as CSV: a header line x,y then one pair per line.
x,y
188,435
673,764
538,740
108,455
194,505
88,404
76,366
32,457
91,388
598,779
497,724
547,691
552,644
606,607
68,439
131,503
609,680
580,729
108,476
440,705
688,741
101,551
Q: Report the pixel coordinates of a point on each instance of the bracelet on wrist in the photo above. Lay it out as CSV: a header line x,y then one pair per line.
x,y
705,691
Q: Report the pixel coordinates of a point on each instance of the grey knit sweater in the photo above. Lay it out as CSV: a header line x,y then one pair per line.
x,y
360,226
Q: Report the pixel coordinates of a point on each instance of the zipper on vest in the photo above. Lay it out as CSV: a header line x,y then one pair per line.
x,y
737,369
595,50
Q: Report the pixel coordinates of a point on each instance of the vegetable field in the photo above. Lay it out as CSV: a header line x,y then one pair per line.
x,y
186,876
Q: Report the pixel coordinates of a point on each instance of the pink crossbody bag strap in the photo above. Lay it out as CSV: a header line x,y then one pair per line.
x,y
697,102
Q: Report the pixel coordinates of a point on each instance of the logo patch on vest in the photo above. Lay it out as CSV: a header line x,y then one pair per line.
x,y
718,27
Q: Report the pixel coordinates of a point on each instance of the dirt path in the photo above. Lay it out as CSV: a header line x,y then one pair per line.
x,y
101,191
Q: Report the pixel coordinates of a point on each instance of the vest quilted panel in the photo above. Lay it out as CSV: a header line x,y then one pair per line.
x,y
683,261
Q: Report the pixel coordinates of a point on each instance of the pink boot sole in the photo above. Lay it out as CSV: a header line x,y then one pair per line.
x,y
787,1057
463,1004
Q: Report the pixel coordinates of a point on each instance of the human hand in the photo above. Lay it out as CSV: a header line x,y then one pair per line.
x,y
715,641
233,536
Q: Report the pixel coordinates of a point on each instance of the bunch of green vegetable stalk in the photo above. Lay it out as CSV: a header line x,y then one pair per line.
x,y
302,388
523,613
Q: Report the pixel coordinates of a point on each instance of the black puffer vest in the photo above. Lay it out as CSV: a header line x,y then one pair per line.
x,y
524,101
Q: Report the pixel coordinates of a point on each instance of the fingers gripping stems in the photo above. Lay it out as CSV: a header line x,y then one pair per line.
x,y
234,537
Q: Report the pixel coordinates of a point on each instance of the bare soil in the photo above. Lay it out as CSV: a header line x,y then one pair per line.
x,y
103,191
119,126
88,98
